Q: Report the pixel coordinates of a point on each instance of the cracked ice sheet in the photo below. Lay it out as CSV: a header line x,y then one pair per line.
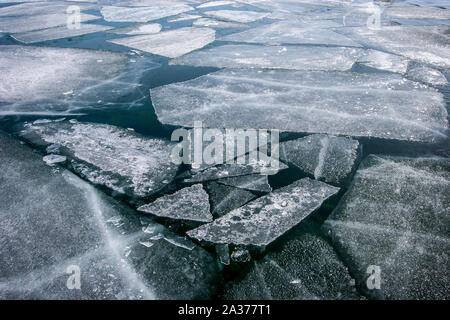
x,y
141,14
384,61
62,221
375,105
32,23
265,219
304,266
145,28
237,16
273,57
253,182
396,216
327,158
110,156
427,75
291,32
172,44
191,203
58,33
428,44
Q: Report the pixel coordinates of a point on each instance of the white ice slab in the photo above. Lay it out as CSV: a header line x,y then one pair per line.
x,y
207,22
415,12
184,17
237,16
172,44
145,28
384,61
427,75
215,4
141,14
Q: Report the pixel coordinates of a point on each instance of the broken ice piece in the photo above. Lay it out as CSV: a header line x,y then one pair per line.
x,y
106,155
327,158
241,256
395,219
53,159
190,203
212,23
427,75
145,28
223,253
184,17
384,61
265,219
253,182
172,44
141,14
238,16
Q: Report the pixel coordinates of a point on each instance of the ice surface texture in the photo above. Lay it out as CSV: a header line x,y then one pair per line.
x,y
142,14
396,215
375,105
61,220
190,203
263,220
113,157
237,16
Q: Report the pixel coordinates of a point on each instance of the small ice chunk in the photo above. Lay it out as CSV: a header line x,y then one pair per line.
x,y
327,158
212,23
241,256
273,57
395,216
238,16
253,182
172,44
427,75
53,159
223,253
142,14
384,61
265,219
145,28
190,203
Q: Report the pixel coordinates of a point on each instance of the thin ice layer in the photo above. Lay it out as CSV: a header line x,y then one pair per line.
x,y
189,203
265,219
291,32
237,16
142,14
110,156
327,158
375,105
273,57
384,61
58,33
396,216
62,224
172,44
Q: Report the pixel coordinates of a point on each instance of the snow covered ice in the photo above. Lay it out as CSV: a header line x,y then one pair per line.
x,y
355,104
110,156
396,216
189,203
263,220
273,57
325,157
172,44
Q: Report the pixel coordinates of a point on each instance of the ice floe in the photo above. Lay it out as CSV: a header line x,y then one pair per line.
x,y
52,159
273,57
384,61
265,219
212,23
144,28
110,156
190,203
214,4
141,14
184,17
395,216
327,158
341,103
253,182
415,12
172,44
427,75
237,16
62,225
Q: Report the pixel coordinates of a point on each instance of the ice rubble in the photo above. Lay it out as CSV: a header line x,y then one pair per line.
x,y
144,28
375,105
110,156
191,203
327,158
414,12
396,216
62,221
291,32
384,61
427,44
141,14
237,16
173,43
46,80
427,75
58,33
263,220
304,267
52,159
32,23
212,23
273,57
252,182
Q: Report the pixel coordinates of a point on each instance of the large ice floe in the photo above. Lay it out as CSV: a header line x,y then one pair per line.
x,y
139,29
328,158
273,57
142,14
396,217
304,266
342,103
116,158
263,220
190,203
47,80
62,227
172,44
